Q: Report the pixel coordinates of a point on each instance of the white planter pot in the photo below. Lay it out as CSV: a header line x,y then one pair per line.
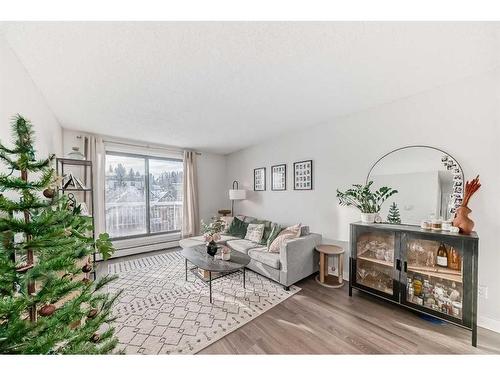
x,y
368,218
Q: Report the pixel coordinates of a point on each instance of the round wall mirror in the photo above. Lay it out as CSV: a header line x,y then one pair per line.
x,y
429,181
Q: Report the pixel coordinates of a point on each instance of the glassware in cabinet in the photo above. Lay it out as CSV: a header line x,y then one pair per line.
x,y
434,276
375,260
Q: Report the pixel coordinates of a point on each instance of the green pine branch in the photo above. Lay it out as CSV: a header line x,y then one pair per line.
x,y
60,240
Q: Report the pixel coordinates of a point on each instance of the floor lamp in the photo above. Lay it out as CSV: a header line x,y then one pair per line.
x,y
236,194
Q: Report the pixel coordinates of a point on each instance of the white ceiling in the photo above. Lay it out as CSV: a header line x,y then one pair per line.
x,y
221,87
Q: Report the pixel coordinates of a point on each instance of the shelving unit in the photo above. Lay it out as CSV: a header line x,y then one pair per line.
x,y
377,261
444,273
63,165
418,283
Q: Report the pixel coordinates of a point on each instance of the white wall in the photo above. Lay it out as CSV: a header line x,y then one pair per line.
x,y
18,94
461,118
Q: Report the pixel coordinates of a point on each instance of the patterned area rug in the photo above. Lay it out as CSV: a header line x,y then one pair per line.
x,y
160,313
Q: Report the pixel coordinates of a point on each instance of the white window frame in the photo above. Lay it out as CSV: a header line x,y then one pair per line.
x,y
146,184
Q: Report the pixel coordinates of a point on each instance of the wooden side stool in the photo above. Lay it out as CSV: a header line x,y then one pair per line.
x,y
324,278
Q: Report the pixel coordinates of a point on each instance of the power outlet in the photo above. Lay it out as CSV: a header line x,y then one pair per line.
x,y
483,291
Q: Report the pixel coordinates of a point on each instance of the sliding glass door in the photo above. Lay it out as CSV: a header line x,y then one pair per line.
x,y
143,195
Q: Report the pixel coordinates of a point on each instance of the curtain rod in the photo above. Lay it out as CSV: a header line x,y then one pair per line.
x,y
146,146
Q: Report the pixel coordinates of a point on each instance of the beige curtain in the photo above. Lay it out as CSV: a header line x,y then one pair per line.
x,y
97,155
190,214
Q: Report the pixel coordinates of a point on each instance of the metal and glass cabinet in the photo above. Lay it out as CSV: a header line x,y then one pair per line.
x,y
432,272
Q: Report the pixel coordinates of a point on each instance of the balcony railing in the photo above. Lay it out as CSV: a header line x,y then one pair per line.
x,y
129,218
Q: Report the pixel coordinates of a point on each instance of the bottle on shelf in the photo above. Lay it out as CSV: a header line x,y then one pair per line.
x,y
442,256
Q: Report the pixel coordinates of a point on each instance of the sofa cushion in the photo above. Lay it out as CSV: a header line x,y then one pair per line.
x,y
241,245
267,230
249,219
200,240
254,232
191,242
275,231
285,235
238,228
261,255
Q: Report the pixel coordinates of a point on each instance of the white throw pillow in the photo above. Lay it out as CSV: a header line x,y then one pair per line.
x,y
255,232
285,235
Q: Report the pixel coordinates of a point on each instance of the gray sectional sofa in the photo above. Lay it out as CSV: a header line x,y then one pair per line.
x,y
296,260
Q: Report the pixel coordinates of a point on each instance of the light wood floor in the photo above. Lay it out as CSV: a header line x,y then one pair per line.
x,y
320,320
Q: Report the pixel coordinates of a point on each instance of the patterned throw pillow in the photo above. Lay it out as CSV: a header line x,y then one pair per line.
x,y
285,235
255,232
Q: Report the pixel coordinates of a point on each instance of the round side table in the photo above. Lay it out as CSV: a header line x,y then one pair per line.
x,y
324,278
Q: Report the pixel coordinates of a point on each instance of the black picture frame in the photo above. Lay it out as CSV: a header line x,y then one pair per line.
x,y
272,177
263,170
303,175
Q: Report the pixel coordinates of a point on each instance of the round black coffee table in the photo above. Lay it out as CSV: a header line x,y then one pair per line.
x,y
198,256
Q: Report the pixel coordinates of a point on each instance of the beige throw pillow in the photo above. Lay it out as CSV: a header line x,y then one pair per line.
x,y
255,232
285,235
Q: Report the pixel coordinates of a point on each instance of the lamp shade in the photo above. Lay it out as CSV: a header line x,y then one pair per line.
x,y
237,194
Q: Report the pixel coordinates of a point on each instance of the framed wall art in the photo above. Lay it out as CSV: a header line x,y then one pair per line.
x,y
303,175
278,177
259,179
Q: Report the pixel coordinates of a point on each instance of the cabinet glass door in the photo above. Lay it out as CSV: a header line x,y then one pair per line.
x,y
375,254
434,276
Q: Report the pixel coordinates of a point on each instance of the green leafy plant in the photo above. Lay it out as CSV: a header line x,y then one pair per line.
x,y
365,200
48,303
216,226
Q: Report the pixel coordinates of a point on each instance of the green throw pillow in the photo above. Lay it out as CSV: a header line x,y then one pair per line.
x,y
238,228
268,227
276,229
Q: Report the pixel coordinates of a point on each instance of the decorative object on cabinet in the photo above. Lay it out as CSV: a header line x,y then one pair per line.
x,y
404,264
259,179
393,217
235,194
324,278
462,220
303,175
278,177
420,174
75,154
368,202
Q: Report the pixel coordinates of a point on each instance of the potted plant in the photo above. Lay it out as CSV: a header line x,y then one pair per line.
x,y
368,202
212,233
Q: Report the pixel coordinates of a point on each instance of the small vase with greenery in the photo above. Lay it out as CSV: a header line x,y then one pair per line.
x,y
212,233
367,201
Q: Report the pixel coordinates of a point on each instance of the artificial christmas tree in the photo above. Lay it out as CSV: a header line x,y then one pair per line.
x,y
393,216
44,303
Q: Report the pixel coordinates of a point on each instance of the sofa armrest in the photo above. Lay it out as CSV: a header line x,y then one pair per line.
x,y
298,258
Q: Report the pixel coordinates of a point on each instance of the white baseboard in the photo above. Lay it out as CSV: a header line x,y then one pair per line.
x,y
142,249
488,323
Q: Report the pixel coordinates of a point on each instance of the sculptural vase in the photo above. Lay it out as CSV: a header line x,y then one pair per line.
x,y
212,248
462,220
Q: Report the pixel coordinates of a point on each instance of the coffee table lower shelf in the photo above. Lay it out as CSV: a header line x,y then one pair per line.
x,y
208,280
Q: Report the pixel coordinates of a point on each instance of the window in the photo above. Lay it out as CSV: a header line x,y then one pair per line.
x,y
143,195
